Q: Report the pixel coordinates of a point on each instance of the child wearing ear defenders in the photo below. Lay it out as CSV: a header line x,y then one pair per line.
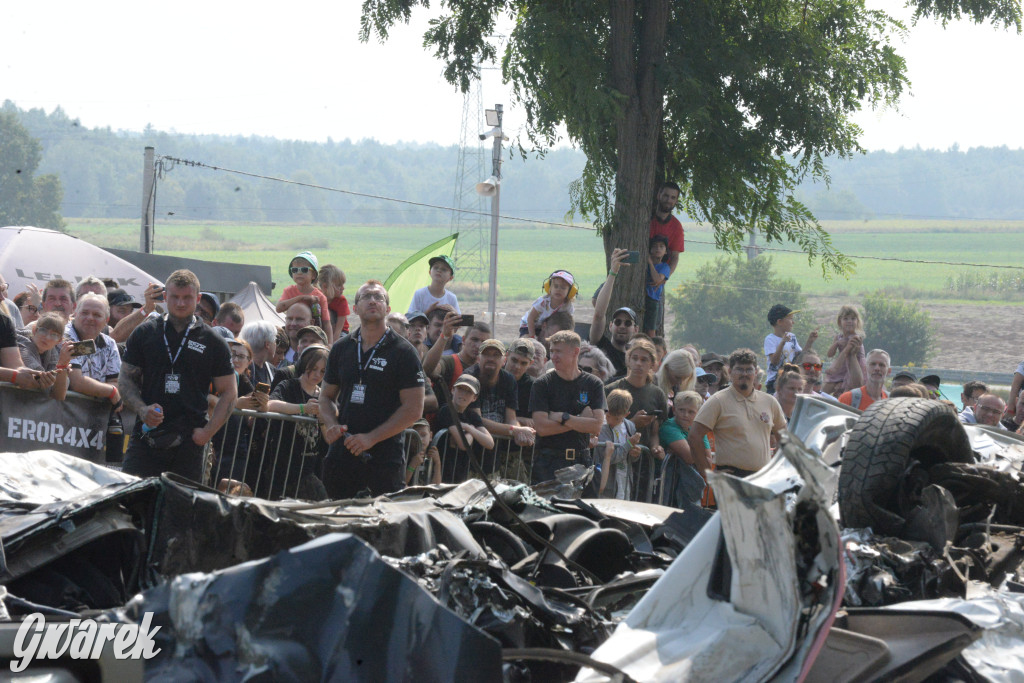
x,y
559,291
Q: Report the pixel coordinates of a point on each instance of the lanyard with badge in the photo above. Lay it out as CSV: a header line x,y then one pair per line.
x,y
172,380
359,389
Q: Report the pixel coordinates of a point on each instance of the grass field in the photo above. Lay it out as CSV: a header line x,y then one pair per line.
x,y
528,254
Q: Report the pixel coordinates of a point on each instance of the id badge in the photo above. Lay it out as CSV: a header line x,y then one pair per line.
x,y
172,383
358,393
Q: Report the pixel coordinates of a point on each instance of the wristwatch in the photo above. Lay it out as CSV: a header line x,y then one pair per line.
x,y
565,417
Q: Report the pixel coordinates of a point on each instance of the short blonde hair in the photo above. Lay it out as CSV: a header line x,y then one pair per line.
x,y
565,337
619,402
683,398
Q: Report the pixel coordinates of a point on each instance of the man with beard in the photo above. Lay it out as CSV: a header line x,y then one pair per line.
x,y
447,369
168,367
874,389
517,361
623,324
810,367
664,223
377,379
498,398
743,420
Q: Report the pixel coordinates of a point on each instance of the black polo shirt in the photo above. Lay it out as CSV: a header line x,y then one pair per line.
x,y
552,393
394,366
7,338
493,400
204,356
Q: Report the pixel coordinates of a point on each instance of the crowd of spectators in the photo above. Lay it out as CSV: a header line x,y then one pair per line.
x,y
619,399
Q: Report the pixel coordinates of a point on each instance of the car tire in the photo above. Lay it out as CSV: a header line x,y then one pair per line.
x,y
893,438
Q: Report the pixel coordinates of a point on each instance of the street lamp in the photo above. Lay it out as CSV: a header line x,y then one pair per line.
x,y
492,188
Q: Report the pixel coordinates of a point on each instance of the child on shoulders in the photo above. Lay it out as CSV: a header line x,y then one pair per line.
x,y
303,270
559,291
426,299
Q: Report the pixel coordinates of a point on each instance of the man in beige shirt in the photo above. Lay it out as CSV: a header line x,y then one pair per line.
x,y
742,419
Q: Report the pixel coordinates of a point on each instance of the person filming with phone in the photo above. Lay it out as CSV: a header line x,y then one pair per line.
x,y
168,367
95,362
647,411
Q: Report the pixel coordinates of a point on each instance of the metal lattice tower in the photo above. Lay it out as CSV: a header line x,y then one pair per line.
x,y
471,250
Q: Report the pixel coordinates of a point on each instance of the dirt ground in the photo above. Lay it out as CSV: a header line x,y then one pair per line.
x,y
982,338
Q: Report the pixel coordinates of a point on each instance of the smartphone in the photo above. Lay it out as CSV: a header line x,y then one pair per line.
x,y
83,348
660,414
160,294
468,320
632,257
262,388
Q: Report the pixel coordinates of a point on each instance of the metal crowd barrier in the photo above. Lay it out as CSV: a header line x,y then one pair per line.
x,y
507,460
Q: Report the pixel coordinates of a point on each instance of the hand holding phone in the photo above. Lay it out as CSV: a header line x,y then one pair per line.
x,y
83,348
468,321
632,257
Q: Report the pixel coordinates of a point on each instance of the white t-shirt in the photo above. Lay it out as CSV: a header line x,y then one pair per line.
x,y
543,304
771,343
423,299
619,436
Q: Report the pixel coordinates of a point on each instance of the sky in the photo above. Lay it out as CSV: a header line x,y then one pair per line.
x,y
298,71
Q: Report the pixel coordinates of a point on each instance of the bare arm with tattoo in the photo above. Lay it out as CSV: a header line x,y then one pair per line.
x,y
129,383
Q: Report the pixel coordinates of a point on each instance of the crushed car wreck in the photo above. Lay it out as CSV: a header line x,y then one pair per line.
x,y
503,581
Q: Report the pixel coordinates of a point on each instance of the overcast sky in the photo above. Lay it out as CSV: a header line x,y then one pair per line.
x,y
298,71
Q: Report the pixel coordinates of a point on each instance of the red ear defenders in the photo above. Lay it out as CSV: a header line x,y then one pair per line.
x,y
573,287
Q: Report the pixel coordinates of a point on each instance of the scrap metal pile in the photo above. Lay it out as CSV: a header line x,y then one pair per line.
x,y
506,582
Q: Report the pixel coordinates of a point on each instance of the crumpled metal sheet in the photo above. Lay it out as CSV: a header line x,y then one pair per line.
x,y
329,609
783,557
40,477
998,655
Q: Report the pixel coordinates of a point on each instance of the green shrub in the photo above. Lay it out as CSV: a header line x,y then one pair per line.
x,y
900,327
725,306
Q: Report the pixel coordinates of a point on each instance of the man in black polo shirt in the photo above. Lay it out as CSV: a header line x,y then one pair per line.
x,y
568,407
376,377
623,324
168,367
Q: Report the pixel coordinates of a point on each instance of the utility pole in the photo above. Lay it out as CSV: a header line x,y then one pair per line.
x,y
148,202
492,188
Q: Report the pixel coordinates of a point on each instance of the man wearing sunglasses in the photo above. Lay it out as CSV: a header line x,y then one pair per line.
x,y
623,324
810,367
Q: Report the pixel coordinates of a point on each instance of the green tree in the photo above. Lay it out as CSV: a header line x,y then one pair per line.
x,y
736,101
725,306
25,199
900,327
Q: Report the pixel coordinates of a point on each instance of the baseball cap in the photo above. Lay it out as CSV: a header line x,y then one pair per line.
x,y
523,347
778,312
315,330
308,256
446,259
710,359
470,382
224,332
417,315
903,373
564,275
492,344
931,380
213,302
119,297
628,311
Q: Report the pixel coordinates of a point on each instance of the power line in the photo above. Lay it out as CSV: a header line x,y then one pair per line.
x,y
200,164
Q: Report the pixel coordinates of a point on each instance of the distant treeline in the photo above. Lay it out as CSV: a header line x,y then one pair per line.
x,y
101,172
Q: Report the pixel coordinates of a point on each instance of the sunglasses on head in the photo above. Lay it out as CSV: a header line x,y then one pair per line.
x,y
299,269
812,366
622,322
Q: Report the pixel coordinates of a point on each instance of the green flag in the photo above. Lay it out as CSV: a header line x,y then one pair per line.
x,y
415,273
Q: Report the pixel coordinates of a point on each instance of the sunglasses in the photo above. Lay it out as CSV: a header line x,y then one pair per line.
x,y
30,308
584,368
812,366
299,269
622,322
707,379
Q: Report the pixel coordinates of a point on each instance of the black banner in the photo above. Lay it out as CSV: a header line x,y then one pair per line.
x,y
32,421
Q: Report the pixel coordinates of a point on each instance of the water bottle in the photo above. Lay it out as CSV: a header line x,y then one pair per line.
x,y
145,427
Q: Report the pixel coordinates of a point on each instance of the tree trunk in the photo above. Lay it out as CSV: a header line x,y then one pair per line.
x,y
637,49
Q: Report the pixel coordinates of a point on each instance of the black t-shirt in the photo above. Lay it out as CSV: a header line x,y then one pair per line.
x,y
524,387
493,400
617,357
552,393
7,339
444,419
308,440
204,356
393,365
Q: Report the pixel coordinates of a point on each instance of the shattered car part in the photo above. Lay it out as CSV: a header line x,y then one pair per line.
x,y
782,551
329,609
